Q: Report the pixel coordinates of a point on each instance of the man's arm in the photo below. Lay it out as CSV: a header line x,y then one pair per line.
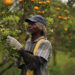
x,y
32,61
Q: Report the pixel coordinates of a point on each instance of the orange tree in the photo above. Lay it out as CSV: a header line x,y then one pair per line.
x,y
12,22
59,22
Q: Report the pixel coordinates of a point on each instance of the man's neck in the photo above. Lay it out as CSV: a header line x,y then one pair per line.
x,y
35,36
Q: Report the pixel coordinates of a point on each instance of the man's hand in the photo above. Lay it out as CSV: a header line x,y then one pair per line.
x,y
13,42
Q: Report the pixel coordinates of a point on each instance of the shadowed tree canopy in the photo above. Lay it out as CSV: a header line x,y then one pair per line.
x,y
70,3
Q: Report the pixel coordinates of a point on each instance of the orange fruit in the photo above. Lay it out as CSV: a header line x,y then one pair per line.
x,y
47,1
40,2
21,0
65,18
44,2
36,7
8,2
32,0
60,23
65,29
66,11
69,34
42,12
58,9
60,17
68,17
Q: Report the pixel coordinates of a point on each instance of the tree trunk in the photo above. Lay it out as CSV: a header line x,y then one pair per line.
x,y
54,57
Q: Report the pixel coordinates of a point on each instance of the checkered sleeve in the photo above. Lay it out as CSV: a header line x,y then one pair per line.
x,y
45,50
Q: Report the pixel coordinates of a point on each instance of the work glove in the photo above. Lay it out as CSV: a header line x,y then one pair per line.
x,y
13,42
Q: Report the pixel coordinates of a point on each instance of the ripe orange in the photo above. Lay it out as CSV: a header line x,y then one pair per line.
x,y
21,0
66,11
65,29
68,17
42,12
43,2
40,2
47,1
69,34
58,9
65,18
8,2
36,7
60,23
60,17
32,0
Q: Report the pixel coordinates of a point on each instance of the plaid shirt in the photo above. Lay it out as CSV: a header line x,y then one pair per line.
x,y
44,51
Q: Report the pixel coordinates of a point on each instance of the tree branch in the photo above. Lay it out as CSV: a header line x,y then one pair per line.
x,y
6,68
3,61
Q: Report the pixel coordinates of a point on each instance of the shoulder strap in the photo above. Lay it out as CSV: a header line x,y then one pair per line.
x,y
37,45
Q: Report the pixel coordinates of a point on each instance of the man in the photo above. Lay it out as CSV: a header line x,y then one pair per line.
x,y
38,49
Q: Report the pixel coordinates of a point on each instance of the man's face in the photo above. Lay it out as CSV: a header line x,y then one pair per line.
x,y
32,28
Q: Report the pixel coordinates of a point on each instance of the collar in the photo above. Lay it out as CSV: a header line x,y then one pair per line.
x,y
37,39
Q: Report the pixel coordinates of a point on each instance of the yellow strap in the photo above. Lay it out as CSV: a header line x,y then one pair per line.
x,y
37,45
30,72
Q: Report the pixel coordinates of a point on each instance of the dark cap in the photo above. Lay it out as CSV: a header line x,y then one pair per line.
x,y
37,18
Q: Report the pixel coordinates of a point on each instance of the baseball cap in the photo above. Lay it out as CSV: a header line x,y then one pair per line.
x,y
37,18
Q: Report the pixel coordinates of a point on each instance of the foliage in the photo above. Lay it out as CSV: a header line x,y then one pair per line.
x,y
70,3
65,64
60,24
